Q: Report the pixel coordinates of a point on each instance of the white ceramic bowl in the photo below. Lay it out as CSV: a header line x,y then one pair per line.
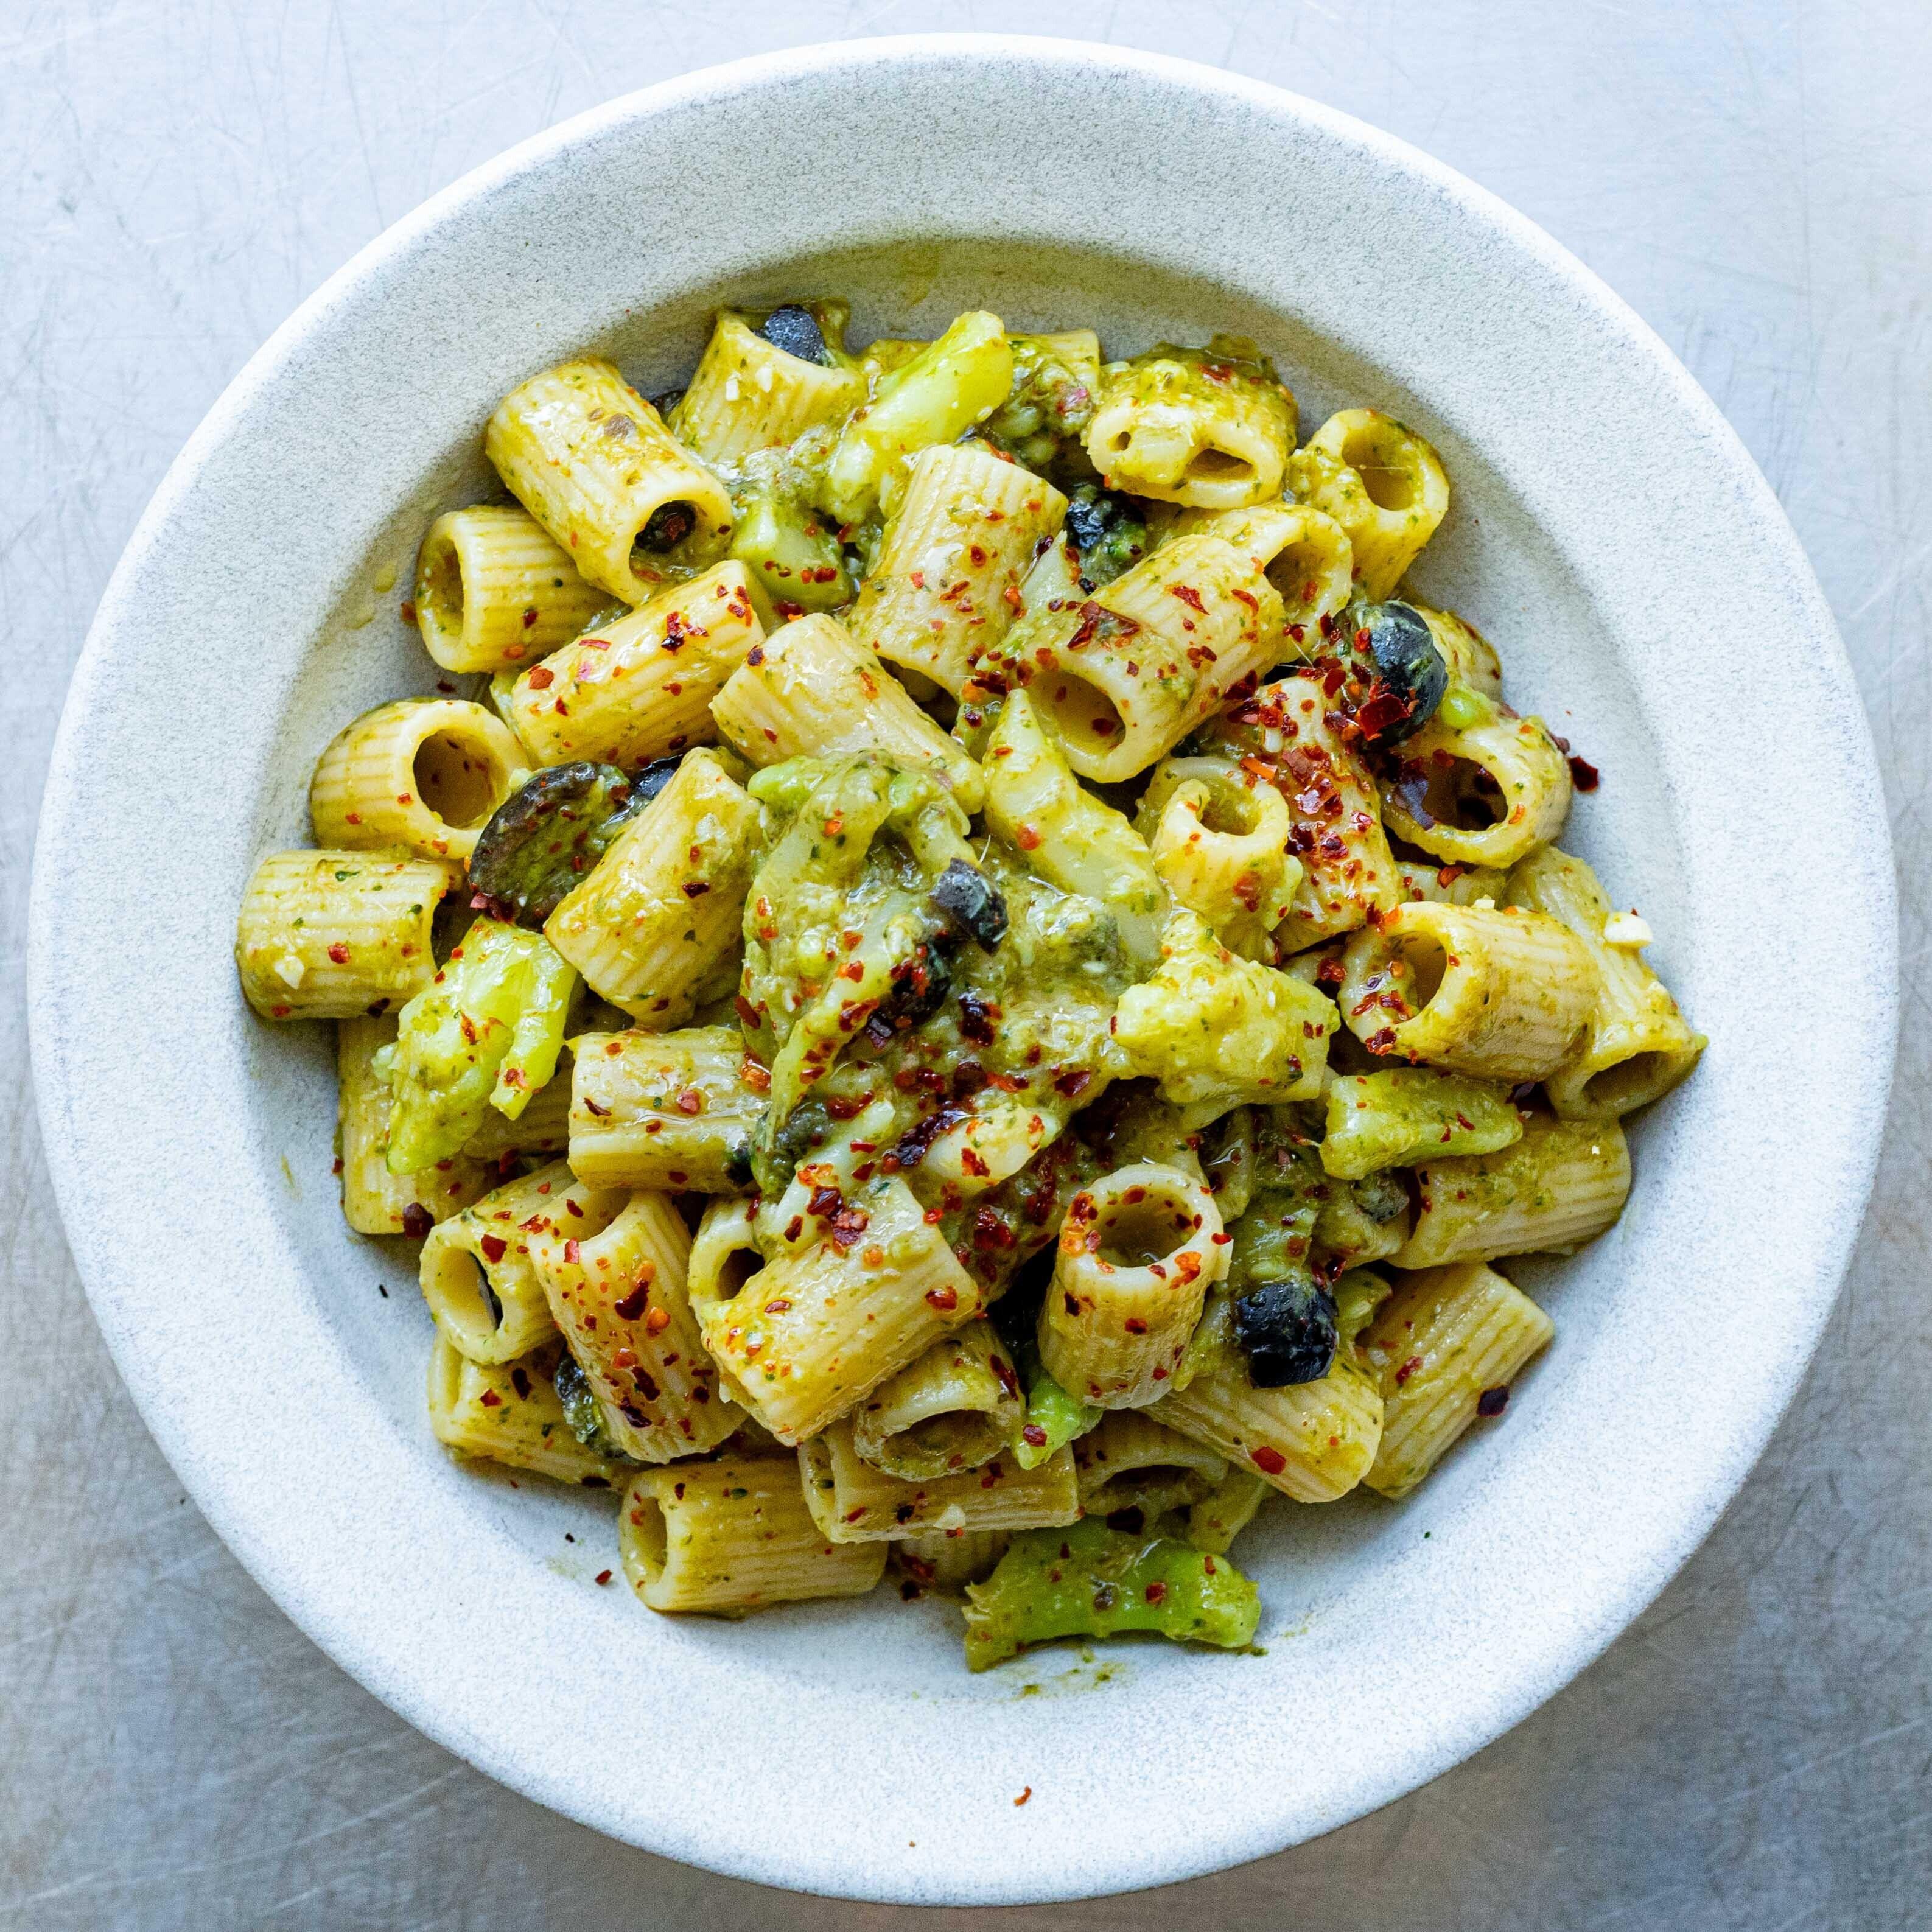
x,y
1608,532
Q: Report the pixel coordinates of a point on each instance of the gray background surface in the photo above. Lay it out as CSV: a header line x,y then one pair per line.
x,y
1755,177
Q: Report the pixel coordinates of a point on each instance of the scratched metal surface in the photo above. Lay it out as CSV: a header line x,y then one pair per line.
x,y
1755,176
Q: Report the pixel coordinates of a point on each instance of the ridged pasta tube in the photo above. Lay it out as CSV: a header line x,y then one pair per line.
x,y
1301,550
1216,1030
336,935
1035,803
667,1110
425,773
853,1502
747,393
956,1408
1499,993
1407,1114
493,589
1506,772
1284,736
1130,1461
641,688
661,909
1561,1185
593,463
812,690
1210,428
734,1536
946,585
1445,1347
374,1200
1220,840
947,1560
1138,1251
1384,485
509,1412
1311,1440
482,1288
813,1333
1122,678
1636,1046
614,1270
1471,658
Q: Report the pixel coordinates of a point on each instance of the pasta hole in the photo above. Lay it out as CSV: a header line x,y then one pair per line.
x,y
458,1292
645,1535
735,1272
1427,963
1628,1083
1145,1230
457,779
1084,718
1218,466
666,527
1229,811
1463,795
439,585
1380,461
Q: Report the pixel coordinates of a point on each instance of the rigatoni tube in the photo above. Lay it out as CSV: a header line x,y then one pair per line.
x,y
1138,1251
482,1288
661,909
1500,994
812,690
492,588
810,1335
1445,1348
956,1408
1561,1185
666,1110
1121,678
334,935
510,1412
1130,1461
1384,485
591,460
853,1502
946,586
641,688
1636,1045
732,1536
1301,550
614,1269
748,394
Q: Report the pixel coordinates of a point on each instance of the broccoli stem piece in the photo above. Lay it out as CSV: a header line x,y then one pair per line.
x,y
1088,1580
1050,1412
490,1025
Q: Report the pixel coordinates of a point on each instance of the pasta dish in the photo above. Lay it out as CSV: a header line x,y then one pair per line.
x,y
955,979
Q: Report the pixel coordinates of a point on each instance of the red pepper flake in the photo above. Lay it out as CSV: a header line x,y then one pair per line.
x,y
417,1221
491,1399
573,1251
632,1305
1023,1795
1033,1435
542,678
656,1322
691,1101
494,1248
1270,1462
1156,1593
603,1576
945,1300
1493,1401
778,1305
1584,775
1408,1369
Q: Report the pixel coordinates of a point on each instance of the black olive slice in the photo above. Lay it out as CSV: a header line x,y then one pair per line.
x,y
972,901
1409,675
1288,1329
792,329
552,830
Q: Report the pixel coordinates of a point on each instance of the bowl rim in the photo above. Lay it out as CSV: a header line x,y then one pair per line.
x,y
258,1545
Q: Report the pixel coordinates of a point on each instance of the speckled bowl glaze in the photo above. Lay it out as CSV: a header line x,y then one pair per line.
x,y
1609,533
